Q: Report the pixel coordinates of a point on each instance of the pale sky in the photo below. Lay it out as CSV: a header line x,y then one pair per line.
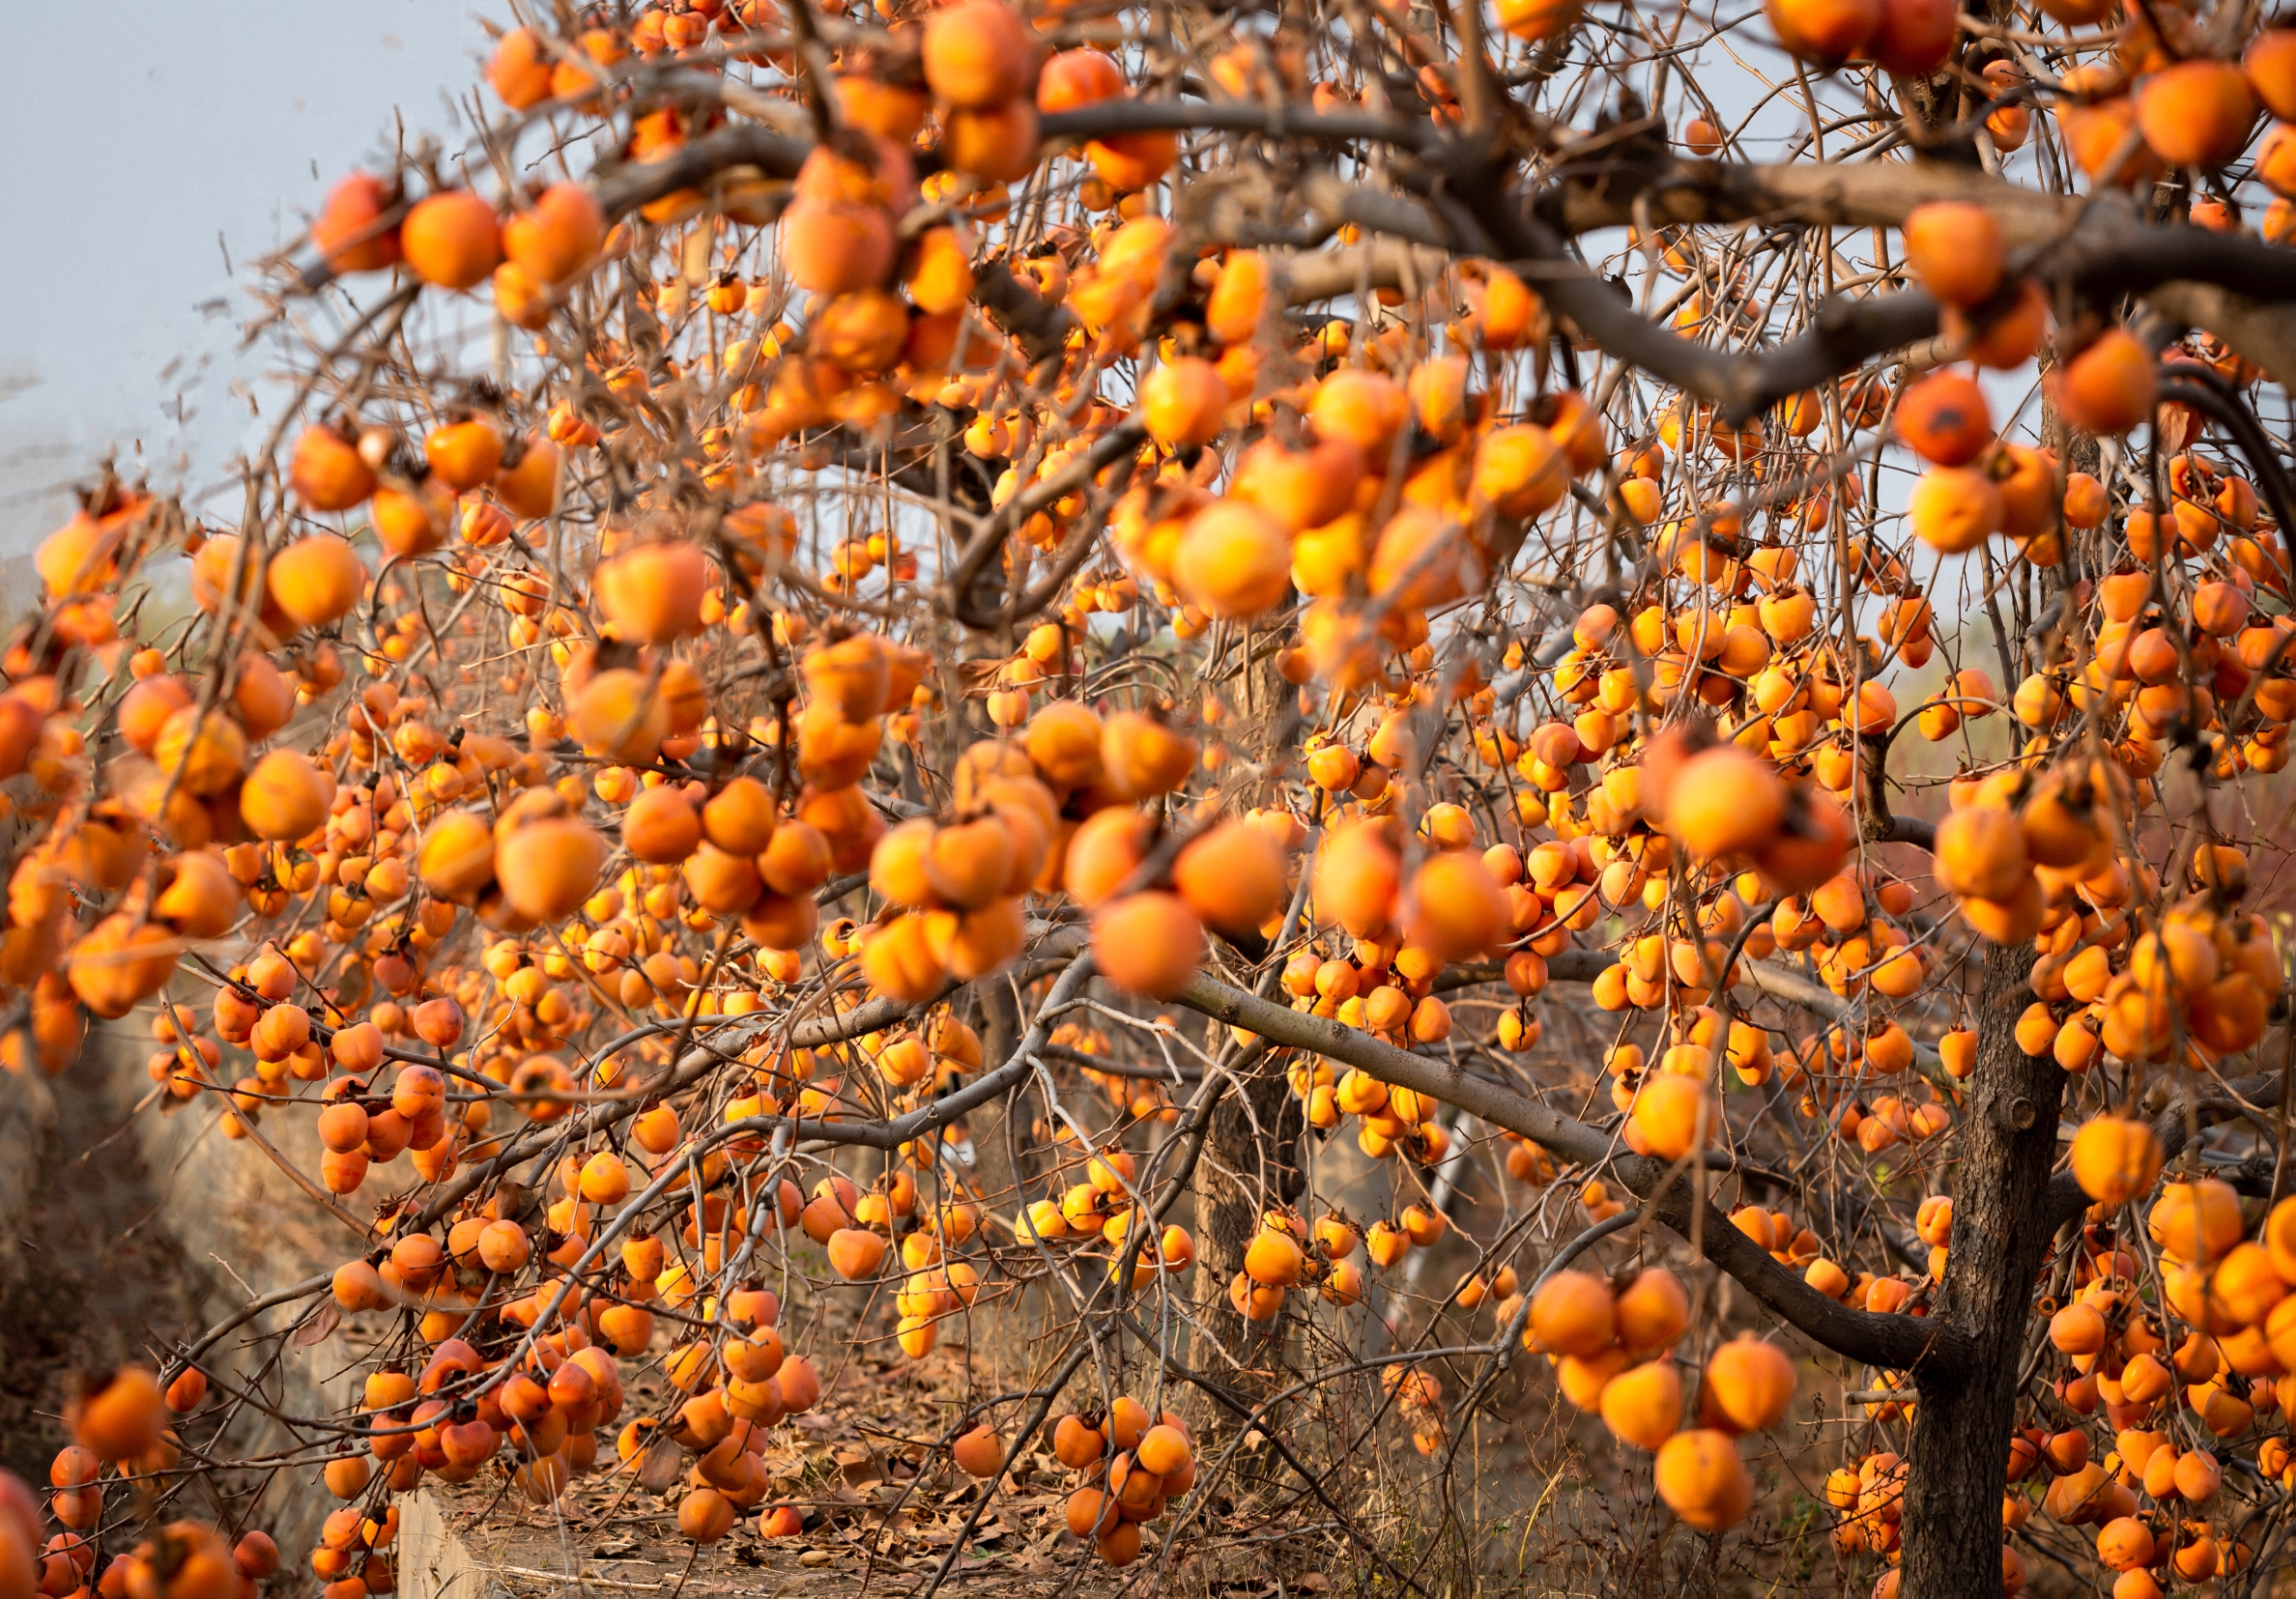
x,y
140,140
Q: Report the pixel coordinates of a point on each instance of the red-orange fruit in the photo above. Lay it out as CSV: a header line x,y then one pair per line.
x,y
652,593
315,581
558,236
463,454
1079,77
1945,419
2110,386
979,1453
2271,67
527,479
547,867
519,70
1827,32
996,143
660,826
348,232
286,796
328,472
1955,249
977,53
450,238
2195,113
1914,38
835,248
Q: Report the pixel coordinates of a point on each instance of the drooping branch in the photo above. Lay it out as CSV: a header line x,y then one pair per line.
x,y
1895,1341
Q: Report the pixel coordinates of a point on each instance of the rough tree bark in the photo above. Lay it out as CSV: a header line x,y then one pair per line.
x,y
1958,1458
1227,1179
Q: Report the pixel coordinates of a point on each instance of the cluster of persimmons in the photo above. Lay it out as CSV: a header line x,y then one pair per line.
x,y
558,822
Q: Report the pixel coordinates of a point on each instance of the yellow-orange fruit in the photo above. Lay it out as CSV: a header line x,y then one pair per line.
x,y
558,236
1700,1476
977,53
122,1419
1233,560
854,1252
1981,853
967,865
1141,758
660,826
1643,1404
2114,1158
740,818
2195,113
1106,849
995,143
328,472
1521,470
315,581
621,714
1750,1383
653,594
1148,943
1651,1312
1955,509
286,796
2197,1221
1183,402
1724,800
1274,1259
2110,386
450,238
1955,249
1363,407
1239,296
1571,1314
899,963
1232,876
549,867
456,860
1666,1114
1357,878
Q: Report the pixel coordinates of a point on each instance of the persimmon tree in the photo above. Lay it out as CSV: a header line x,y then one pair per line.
x,y
1033,614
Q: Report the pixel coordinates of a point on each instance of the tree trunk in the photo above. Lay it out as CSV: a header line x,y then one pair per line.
x,y
1959,1459
1228,1191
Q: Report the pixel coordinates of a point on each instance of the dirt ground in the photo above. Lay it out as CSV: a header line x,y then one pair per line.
x,y
90,1273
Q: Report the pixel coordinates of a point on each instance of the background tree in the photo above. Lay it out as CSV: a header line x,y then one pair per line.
x,y
975,525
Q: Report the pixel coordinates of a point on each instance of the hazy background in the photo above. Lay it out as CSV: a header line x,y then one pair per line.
x,y
145,147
